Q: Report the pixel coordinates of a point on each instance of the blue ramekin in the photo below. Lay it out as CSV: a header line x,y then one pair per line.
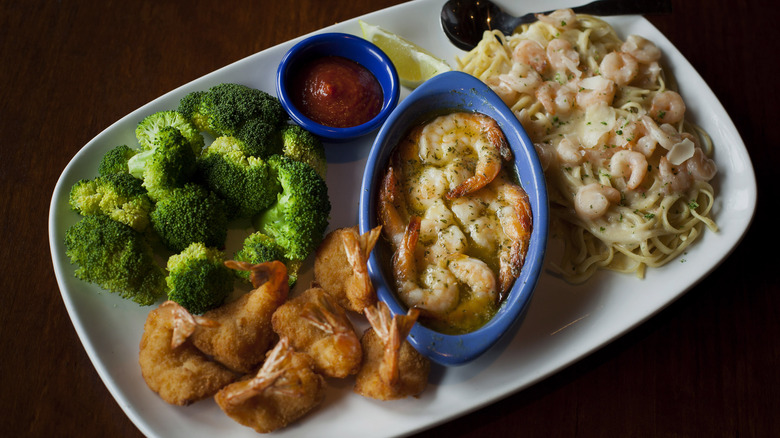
x,y
457,91
347,46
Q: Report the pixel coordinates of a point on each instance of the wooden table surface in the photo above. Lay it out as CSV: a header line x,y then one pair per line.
x,y
708,365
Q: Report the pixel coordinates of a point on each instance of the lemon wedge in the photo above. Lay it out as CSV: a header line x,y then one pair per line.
x,y
414,64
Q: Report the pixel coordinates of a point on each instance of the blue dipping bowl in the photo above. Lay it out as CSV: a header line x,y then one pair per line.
x,y
347,46
449,92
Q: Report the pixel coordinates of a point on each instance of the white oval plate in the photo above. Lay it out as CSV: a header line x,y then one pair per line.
x,y
564,323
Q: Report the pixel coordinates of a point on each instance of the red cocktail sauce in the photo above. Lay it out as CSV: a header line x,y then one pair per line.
x,y
337,92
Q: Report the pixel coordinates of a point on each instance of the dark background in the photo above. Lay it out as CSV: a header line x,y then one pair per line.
x,y
706,366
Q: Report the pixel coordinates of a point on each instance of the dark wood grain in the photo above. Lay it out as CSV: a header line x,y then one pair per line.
x,y
705,366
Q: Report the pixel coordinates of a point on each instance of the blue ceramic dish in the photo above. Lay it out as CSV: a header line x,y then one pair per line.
x,y
347,46
447,92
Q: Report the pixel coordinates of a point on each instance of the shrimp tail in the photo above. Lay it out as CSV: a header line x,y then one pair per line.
x,y
322,314
274,273
184,323
357,258
392,330
273,368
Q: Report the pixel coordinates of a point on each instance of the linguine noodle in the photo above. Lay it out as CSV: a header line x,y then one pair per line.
x,y
628,176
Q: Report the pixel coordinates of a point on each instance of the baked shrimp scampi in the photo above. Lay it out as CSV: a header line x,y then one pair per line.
x,y
458,222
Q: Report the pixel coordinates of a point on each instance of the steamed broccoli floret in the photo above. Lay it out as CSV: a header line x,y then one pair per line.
x,y
189,107
115,160
260,139
227,107
198,278
298,219
261,248
149,130
170,165
244,182
118,196
190,214
301,145
116,258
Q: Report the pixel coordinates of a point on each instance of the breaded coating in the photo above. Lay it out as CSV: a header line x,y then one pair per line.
x,y
284,390
341,267
171,366
245,333
392,368
316,325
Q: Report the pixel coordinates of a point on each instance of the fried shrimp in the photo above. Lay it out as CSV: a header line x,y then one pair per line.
x,y
171,366
316,325
245,332
392,368
341,267
284,389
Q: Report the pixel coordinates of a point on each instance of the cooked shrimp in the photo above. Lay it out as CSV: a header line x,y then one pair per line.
x,y
646,145
556,98
475,274
648,75
630,165
521,78
437,218
675,179
593,200
341,267
563,57
438,293
499,222
568,153
514,214
245,332
283,390
664,135
392,368
170,365
426,188
391,208
481,224
481,135
316,325
448,240
667,107
595,90
530,52
562,18
700,166
625,133
643,50
619,67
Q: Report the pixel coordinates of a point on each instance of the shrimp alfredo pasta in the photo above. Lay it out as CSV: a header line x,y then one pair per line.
x,y
627,175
